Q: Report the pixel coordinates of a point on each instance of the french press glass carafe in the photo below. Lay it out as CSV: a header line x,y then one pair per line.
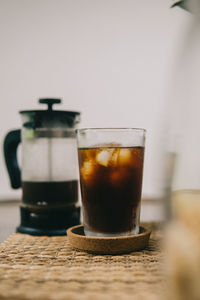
x,y
49,175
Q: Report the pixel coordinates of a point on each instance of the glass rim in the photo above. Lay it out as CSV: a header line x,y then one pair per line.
x,y
117,129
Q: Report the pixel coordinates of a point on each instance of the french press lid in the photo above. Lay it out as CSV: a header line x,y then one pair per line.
x,y
49,118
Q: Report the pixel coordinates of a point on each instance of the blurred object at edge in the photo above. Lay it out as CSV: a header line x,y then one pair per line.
x,y
183,179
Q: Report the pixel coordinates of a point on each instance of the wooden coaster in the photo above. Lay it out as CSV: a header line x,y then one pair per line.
x,y
107,245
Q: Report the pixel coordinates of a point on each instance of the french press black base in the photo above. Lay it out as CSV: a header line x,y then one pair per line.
x,y
50,223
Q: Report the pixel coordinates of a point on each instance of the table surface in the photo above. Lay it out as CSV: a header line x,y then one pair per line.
x,y
49,268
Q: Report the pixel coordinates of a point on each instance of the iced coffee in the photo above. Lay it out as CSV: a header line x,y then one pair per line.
x,y
111,184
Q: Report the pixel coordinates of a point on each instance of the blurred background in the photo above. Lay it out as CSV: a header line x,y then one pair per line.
x,y
112,60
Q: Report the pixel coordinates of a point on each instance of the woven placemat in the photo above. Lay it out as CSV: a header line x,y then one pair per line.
x,y
48,268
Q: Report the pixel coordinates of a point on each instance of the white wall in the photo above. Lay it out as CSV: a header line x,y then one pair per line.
x,y
110,59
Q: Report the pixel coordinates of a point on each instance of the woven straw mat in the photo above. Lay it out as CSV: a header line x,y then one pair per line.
x,y
48,268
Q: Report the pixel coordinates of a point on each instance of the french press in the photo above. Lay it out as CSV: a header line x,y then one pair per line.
x,y
49,174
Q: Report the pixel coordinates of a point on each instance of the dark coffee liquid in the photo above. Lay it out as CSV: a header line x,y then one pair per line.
x,y
111,182
50,194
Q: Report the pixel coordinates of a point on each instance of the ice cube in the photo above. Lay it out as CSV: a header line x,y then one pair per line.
x,y
124,157
88,172
115,177
104,157
114,158
119,176
87,169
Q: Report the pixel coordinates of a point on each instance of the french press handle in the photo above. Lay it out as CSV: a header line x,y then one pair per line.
x,y
11,143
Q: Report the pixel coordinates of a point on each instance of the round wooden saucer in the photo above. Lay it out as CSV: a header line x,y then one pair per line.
x,y
107,245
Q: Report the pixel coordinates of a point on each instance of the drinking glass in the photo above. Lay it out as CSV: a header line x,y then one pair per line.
x,y
111,171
